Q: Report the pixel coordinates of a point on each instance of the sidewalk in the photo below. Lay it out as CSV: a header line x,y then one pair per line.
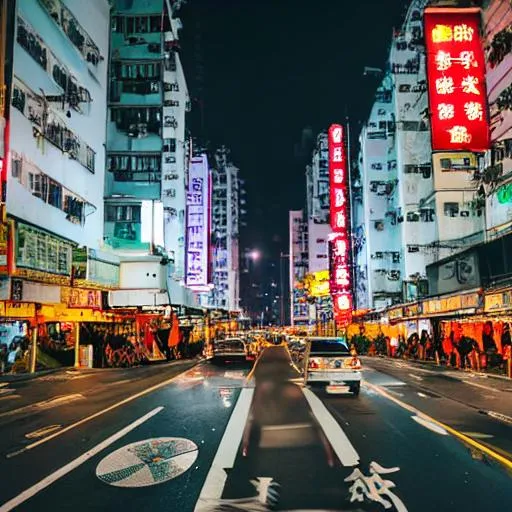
x,y
492,380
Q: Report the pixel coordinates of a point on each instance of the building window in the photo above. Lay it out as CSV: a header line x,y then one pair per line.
x,y
125,213
48,190
137,121
451,209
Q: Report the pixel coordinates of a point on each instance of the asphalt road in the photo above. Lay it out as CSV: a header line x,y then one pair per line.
x,y
211,440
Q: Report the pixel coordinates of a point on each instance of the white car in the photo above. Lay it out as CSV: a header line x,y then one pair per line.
x,y
329,363
229,349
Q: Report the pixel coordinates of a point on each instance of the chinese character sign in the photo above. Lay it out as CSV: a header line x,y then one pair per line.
x,y
340,281
339,242
456,80
338,179
198,222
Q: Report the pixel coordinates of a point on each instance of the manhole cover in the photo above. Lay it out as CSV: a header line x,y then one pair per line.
x,y
148,462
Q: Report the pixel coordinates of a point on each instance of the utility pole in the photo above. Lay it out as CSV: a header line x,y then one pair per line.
x,y
281,286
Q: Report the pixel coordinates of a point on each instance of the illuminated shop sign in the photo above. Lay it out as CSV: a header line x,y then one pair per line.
x,y
340,279
339,241
456,80
198,223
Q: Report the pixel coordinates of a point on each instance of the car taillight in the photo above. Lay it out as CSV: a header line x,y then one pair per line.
x,y
314,363
355,363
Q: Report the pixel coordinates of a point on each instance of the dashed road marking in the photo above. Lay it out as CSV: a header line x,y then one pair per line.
x,y
36,434
468,440
64,470
482,386
98,414
45,404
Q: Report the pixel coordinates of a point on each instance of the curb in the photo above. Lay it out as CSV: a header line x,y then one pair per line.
x,y
29,376
22,377
441,368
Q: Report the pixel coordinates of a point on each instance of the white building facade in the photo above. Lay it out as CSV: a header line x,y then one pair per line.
x,y
225,223
298,236
57,117
414,207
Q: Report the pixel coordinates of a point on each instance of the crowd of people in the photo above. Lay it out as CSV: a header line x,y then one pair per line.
x,y
13,353
458,351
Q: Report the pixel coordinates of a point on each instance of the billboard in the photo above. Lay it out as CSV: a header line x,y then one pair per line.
x,y
198,223
456,80
340,275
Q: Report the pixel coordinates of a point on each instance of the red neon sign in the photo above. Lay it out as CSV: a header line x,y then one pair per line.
x,y
456,80
339,242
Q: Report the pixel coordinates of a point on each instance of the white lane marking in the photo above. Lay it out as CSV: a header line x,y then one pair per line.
x,y
336,436
478,435
45,404
97,414
36,434
476,385
417,377
9,397
226,453
500,416
431,426
64,470
422,394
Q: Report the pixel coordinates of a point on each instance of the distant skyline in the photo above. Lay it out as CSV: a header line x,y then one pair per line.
x,y
265,71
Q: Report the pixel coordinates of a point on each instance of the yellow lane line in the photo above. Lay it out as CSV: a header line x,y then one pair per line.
x,y
506,461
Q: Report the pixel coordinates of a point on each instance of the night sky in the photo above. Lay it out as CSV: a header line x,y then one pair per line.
x,y
272,68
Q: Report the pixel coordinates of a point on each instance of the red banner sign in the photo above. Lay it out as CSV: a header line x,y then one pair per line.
x,y
340,280
338,180
456,80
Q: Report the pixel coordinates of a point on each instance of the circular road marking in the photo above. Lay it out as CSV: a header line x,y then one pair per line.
x,y
148,462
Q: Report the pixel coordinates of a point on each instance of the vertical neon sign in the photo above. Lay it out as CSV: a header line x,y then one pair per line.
x,y
339,240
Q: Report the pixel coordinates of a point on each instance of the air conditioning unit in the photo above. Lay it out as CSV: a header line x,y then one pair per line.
x,y
464,213
154,86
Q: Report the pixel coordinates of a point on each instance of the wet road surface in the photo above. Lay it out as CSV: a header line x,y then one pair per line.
x,y
212,440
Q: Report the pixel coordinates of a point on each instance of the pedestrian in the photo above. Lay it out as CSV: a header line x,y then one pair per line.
x,y
3,357
393,343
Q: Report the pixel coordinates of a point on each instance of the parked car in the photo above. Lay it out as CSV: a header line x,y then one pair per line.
x,y
329,363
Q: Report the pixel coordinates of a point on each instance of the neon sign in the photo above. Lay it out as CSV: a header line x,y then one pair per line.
x,y
340,280
456,80
198,224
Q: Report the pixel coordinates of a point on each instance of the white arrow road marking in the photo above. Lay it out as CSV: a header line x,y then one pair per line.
x,y
64,470
339,441
226,453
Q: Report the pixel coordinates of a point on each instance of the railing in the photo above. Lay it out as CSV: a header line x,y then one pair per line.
x,y
47,124
72,28
34,45
47,189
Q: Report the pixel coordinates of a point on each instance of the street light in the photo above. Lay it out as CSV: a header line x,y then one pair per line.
x,y
255,255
